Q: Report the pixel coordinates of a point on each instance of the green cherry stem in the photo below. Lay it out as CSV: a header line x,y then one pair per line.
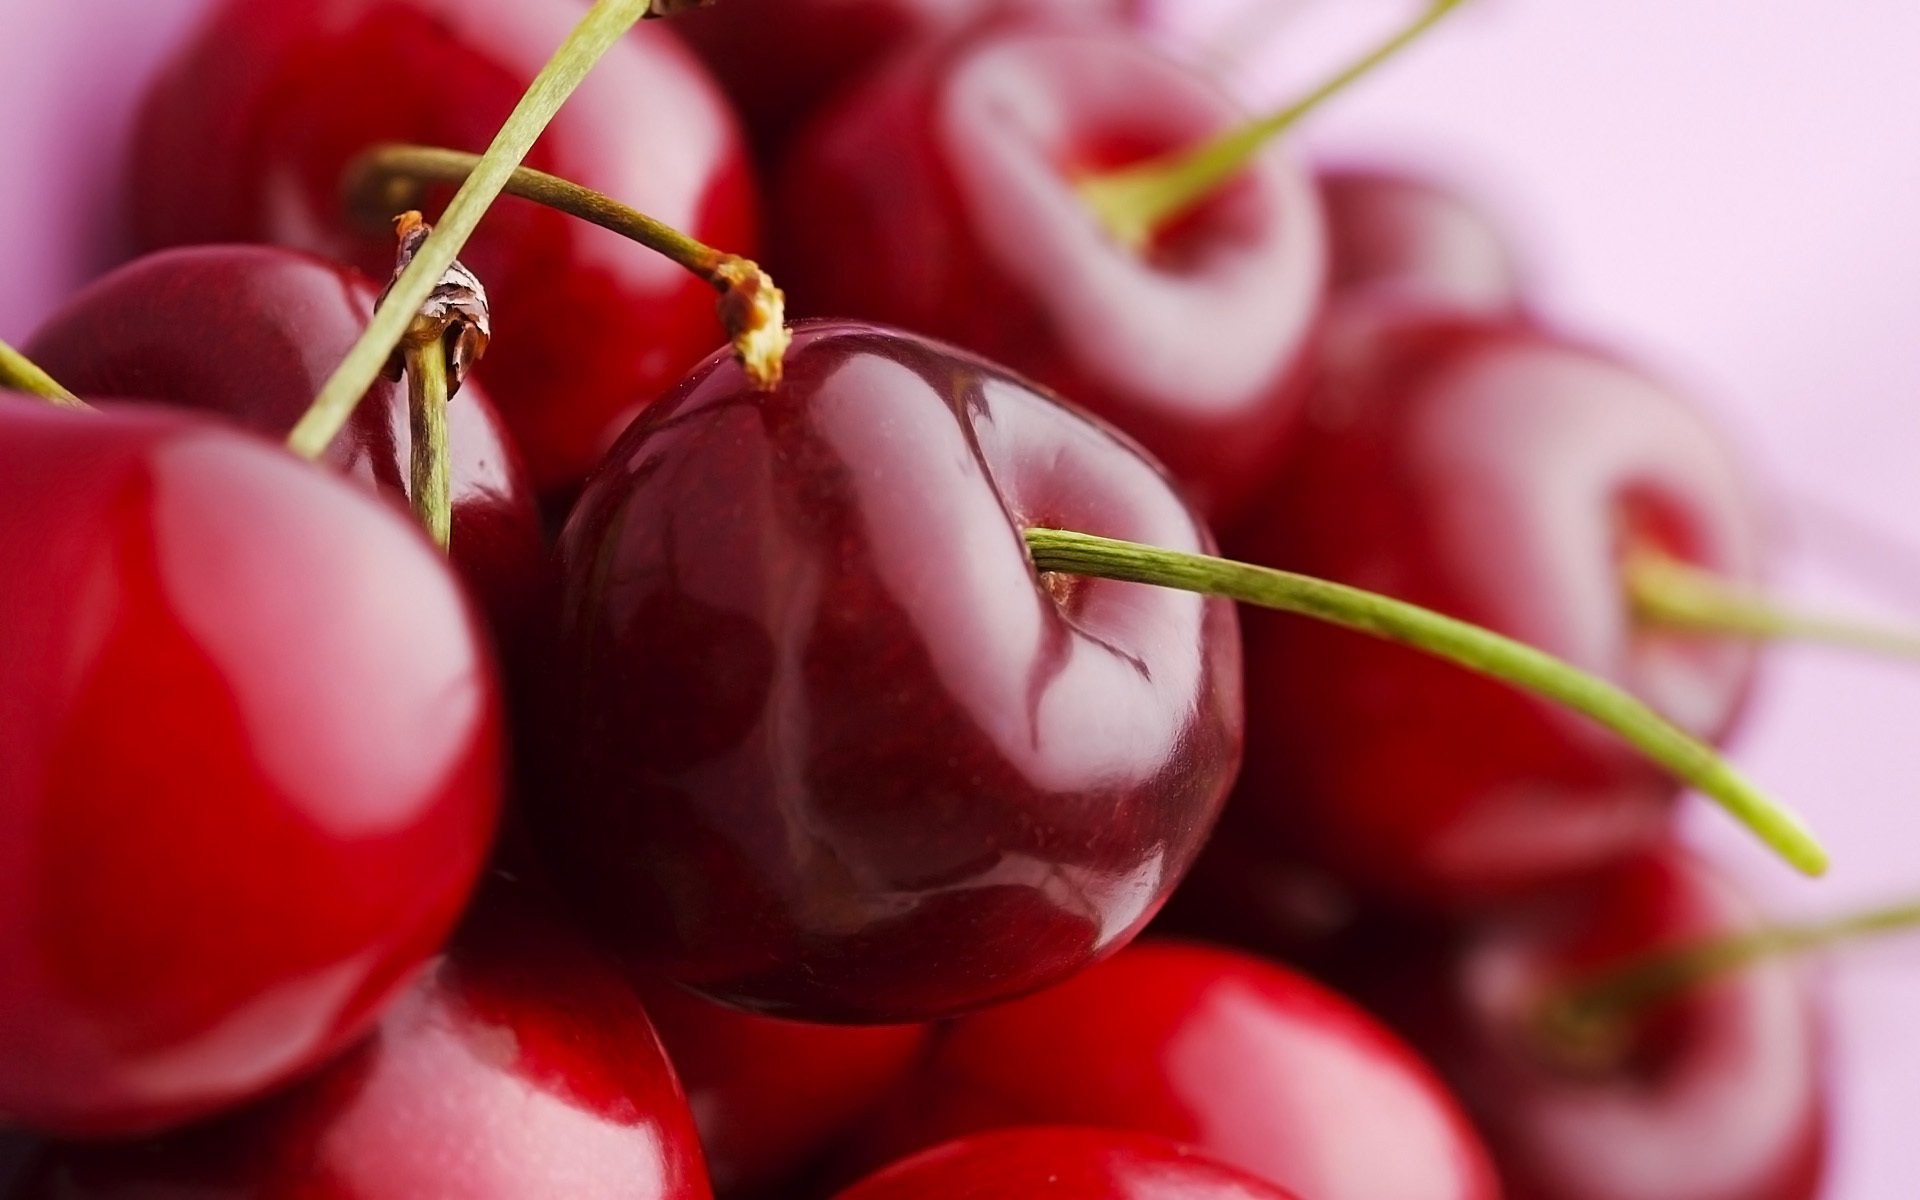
x,y
604,25
432,475
1671,594
1687,758
1136,201
21,374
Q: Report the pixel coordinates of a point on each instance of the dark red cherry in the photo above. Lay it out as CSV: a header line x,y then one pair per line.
x,y
940,197
1405,238
770,1095
520,1067
1250,1063
1501,475
827,747
780,59
252,332
1061,1164
251,767
247,133
1718,1094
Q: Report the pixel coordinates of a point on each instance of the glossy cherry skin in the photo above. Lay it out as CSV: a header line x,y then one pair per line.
x,y
771,1095
827,747
1061,1164
246,134
940,197
1248,1062
253,332
1498,474
520,1066
1401,237
251,770
1718,1095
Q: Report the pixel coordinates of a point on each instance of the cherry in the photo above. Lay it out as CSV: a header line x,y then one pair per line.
x,y
1403,238
251,769
1504,476
825,745
252,332
248,134
974,231
771,1095
520,1066
1061,1164
1250,1063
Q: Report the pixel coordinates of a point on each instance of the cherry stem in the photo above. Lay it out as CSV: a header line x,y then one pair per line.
x,y
427,394
1134,202
1686,757
752,309
1667,592
21,374
604,25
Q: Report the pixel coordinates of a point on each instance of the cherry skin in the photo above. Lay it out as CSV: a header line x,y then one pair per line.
x,y
771,1095
247,133
1061,1164
520,1066
1498,474
252,332
825,746
1248,1062
1401,237
251,770
974,232
1715,1095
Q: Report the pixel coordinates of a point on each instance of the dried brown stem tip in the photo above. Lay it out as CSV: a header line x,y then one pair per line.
x,y
456,313
754,313
668,8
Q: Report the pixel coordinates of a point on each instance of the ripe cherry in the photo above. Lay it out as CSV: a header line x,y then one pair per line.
x,y
521,1066
1248,1062
826,746
1061,1164
250,773
249,132
252,332
1403,238
974,231
1504,476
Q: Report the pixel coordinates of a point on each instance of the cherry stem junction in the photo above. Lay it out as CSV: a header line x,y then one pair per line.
x,y
1686,757
604,25
1136,201
21,374
752,309
1671,594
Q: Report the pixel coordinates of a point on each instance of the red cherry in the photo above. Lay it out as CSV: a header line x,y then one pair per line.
x,y
940,196
1404,238
1248,1062
1061,1164
520,1067
771,1095
253,332
1500,475
827,746
250,772
248,132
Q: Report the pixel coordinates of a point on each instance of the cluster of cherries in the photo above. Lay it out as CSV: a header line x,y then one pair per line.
x,y
790,818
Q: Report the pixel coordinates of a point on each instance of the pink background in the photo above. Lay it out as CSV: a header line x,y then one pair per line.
x,y
1728,190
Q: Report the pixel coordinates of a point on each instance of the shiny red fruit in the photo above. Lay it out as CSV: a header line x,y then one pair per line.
x,y
247,133
826,746
1061,1164
520,1068
1401,238
771,1095
1250,1063
250,771
1498,474
940,197
252,332
1716,1095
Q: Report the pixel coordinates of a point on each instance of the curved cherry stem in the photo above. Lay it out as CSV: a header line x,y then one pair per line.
x,y
21,374
1686,757
752,309
604,25
1675,595
1136,201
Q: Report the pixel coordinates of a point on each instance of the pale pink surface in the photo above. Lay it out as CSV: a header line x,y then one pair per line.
x,y
1726,190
